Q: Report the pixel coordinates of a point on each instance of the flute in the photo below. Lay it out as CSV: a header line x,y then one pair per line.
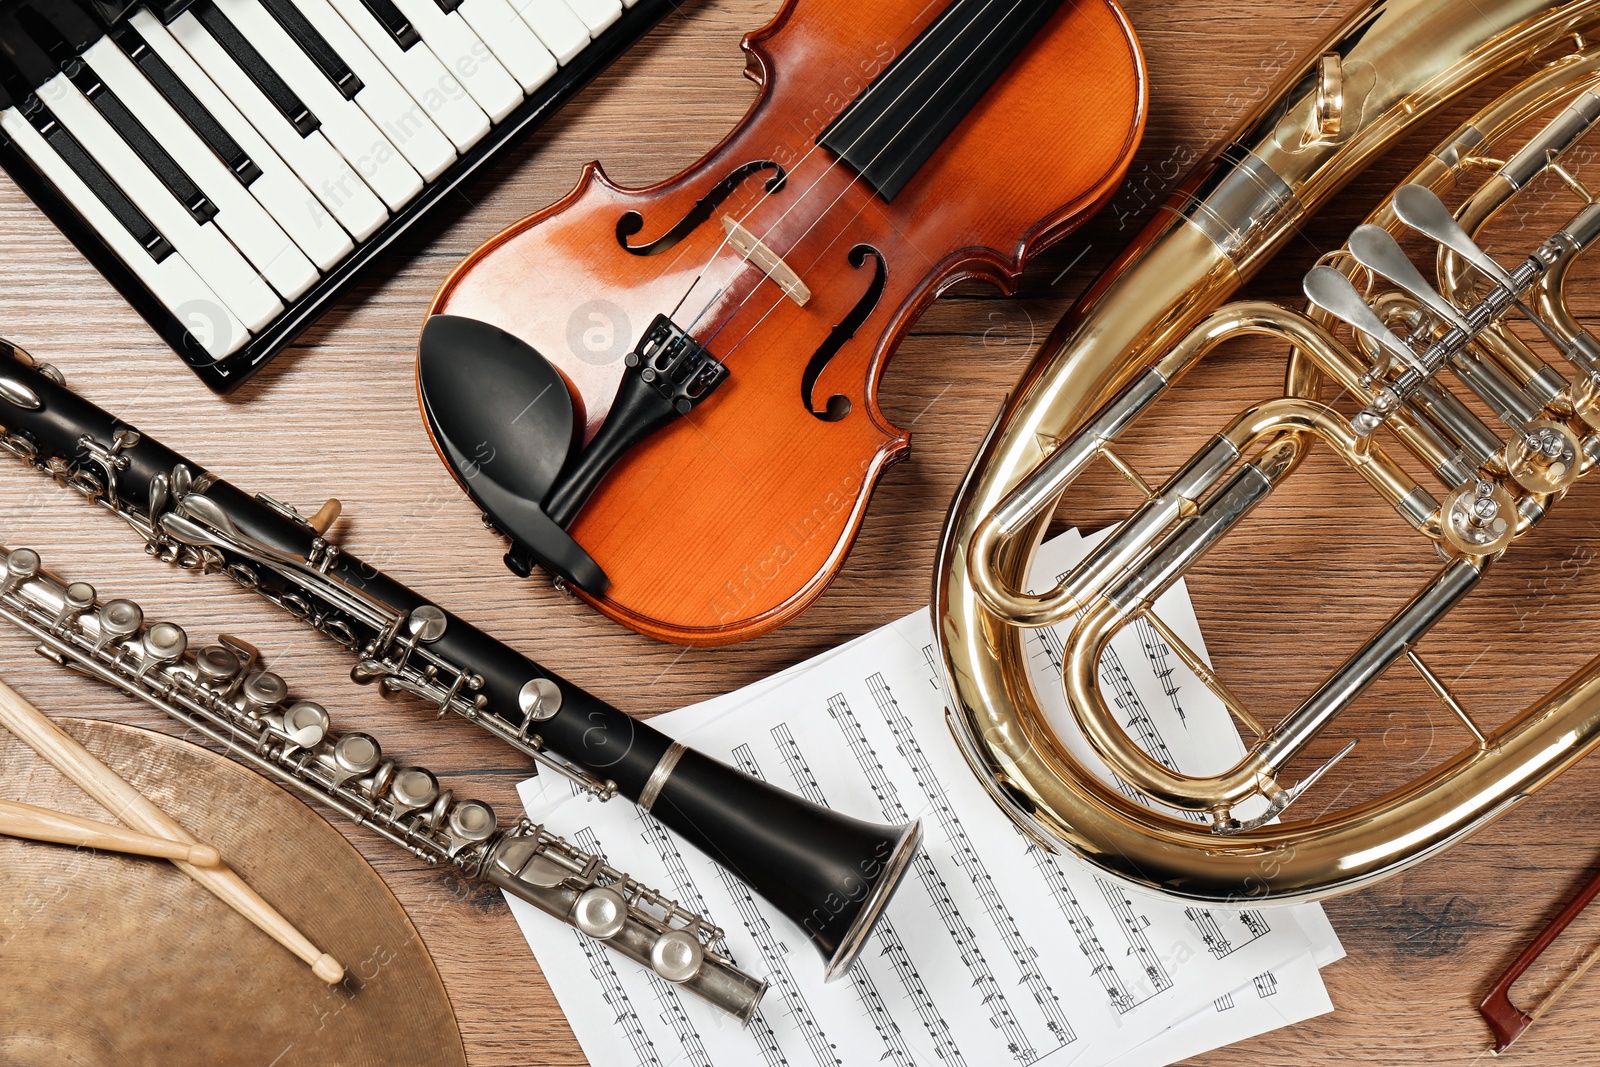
x,y
221,691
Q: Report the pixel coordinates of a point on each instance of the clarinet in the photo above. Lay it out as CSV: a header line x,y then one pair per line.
x,y
831,874
221,692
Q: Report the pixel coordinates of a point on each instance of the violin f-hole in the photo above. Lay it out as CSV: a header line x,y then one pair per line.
x,y
839,404
632,222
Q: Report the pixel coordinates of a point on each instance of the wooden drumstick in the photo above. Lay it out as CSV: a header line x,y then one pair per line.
x,y
44,824
135,809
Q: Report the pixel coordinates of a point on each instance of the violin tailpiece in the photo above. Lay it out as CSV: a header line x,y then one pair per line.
x,y
668,375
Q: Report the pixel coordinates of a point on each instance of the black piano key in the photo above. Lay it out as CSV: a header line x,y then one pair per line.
x,y
169,85
112,12
316,46
258,69
399,27
71,153
447,6
75,28
32,66
145,146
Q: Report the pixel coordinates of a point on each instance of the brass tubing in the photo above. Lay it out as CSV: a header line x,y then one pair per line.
x,y
1301,726
1035,497
1308,860
1401,59
1257,771
1447,698
1543,384
1202,670
1286,419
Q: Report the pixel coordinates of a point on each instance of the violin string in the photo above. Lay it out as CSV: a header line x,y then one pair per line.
x,y
768,193
915,82
856,178
767,273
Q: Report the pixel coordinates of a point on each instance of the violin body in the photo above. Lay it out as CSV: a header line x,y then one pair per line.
x,y
729,521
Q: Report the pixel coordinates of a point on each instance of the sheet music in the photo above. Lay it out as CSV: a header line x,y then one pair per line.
x,y
993,951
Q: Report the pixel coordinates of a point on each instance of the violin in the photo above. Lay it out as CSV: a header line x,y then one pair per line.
x,y
667,396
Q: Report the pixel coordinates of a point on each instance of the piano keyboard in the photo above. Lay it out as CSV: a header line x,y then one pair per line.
x,y
230,165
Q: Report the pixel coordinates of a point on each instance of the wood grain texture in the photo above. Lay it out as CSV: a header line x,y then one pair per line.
x,y
336,416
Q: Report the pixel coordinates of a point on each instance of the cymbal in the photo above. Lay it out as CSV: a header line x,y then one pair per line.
x,y
112,959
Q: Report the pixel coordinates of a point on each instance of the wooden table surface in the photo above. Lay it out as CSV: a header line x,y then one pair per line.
x,y
1322,563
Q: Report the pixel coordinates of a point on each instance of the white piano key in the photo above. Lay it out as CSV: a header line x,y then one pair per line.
x,y
403,120
512,42
173,281
239,215
557,25
441,96
278,190
597,14
467,58
233,279
383,167
334,184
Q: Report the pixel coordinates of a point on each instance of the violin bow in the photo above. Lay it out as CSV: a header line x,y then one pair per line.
x,y
1505,1019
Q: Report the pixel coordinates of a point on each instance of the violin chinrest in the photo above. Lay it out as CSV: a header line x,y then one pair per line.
x,y
502,419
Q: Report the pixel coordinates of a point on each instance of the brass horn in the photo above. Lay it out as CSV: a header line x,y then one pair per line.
x,y
1407,350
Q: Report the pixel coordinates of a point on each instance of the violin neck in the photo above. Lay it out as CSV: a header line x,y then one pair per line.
x,y
902,118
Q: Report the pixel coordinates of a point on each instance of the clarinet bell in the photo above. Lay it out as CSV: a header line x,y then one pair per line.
x,y
501,417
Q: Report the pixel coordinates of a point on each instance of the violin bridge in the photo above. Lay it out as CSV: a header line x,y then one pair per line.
x,y
756,251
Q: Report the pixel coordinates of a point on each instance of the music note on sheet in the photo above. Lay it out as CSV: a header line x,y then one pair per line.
x,y
993,950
